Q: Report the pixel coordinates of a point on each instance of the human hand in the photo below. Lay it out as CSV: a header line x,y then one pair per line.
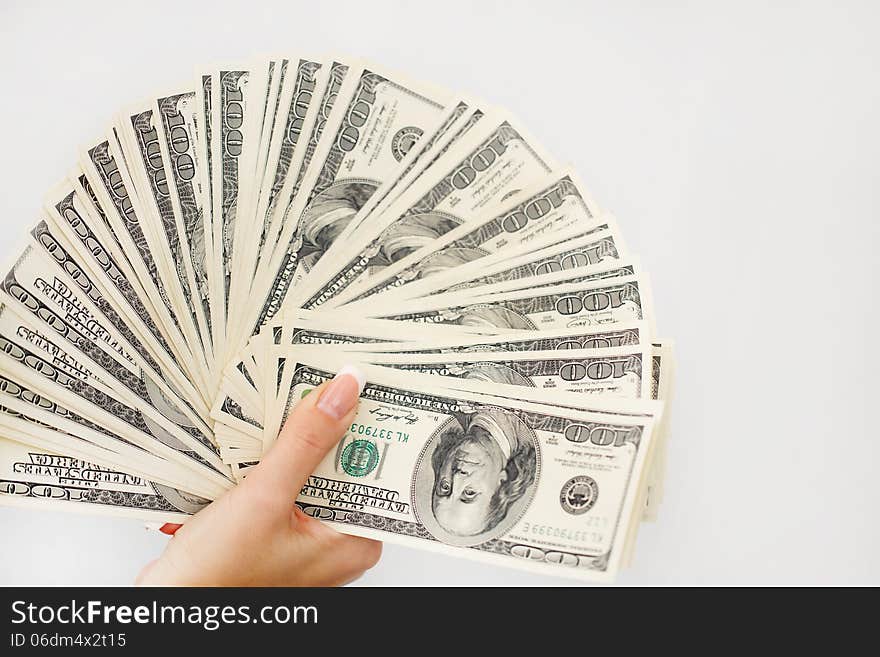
x,y
254,535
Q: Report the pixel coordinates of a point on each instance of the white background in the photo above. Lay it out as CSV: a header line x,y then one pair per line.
x,y
738,146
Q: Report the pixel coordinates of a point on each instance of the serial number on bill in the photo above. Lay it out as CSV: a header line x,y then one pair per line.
x,y
533,529
56,640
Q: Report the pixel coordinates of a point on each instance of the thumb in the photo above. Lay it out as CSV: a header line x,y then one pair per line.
x,y
314,426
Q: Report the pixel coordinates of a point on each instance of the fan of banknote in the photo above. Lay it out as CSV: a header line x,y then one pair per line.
x,y
229,244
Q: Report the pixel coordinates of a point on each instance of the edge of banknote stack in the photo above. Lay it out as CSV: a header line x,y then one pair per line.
x,y
227,245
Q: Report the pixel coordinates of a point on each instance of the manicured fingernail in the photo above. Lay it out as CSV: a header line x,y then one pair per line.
x,y
342,394
170,528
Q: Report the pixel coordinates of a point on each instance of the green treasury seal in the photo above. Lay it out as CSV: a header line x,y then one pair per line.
x,y
359,458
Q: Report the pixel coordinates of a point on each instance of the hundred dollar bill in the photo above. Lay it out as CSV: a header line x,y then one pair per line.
x,y
619,371
29,356
168,246
67,236
46,301
79,184
240,403
315,121
377,346
72,434
111,184
625,372
178,114
662,370
72,234
555,204
28,417
339,327
298,107
300,93
229,113
369,337
459,118
601,371
364,147
522,484
580,253
205,172
558,275
351,163
316,118
335,328
114,190
261,98
578,250
315,332
283,326
264,93
592,303
33,478
35,419
61,281
78,359
496,160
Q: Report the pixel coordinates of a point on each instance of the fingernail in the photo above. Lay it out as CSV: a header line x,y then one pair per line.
x,y
170,528
342,394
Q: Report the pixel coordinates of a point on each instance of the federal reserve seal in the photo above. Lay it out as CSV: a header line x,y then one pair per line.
x,y
578,495
404,140
359,458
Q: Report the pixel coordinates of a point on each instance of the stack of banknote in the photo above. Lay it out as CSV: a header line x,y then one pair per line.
x,y
227,245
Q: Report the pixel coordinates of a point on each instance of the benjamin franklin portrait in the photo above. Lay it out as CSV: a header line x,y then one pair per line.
x,y
476,477
409,235
328,215
449,258
493,316
490,372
